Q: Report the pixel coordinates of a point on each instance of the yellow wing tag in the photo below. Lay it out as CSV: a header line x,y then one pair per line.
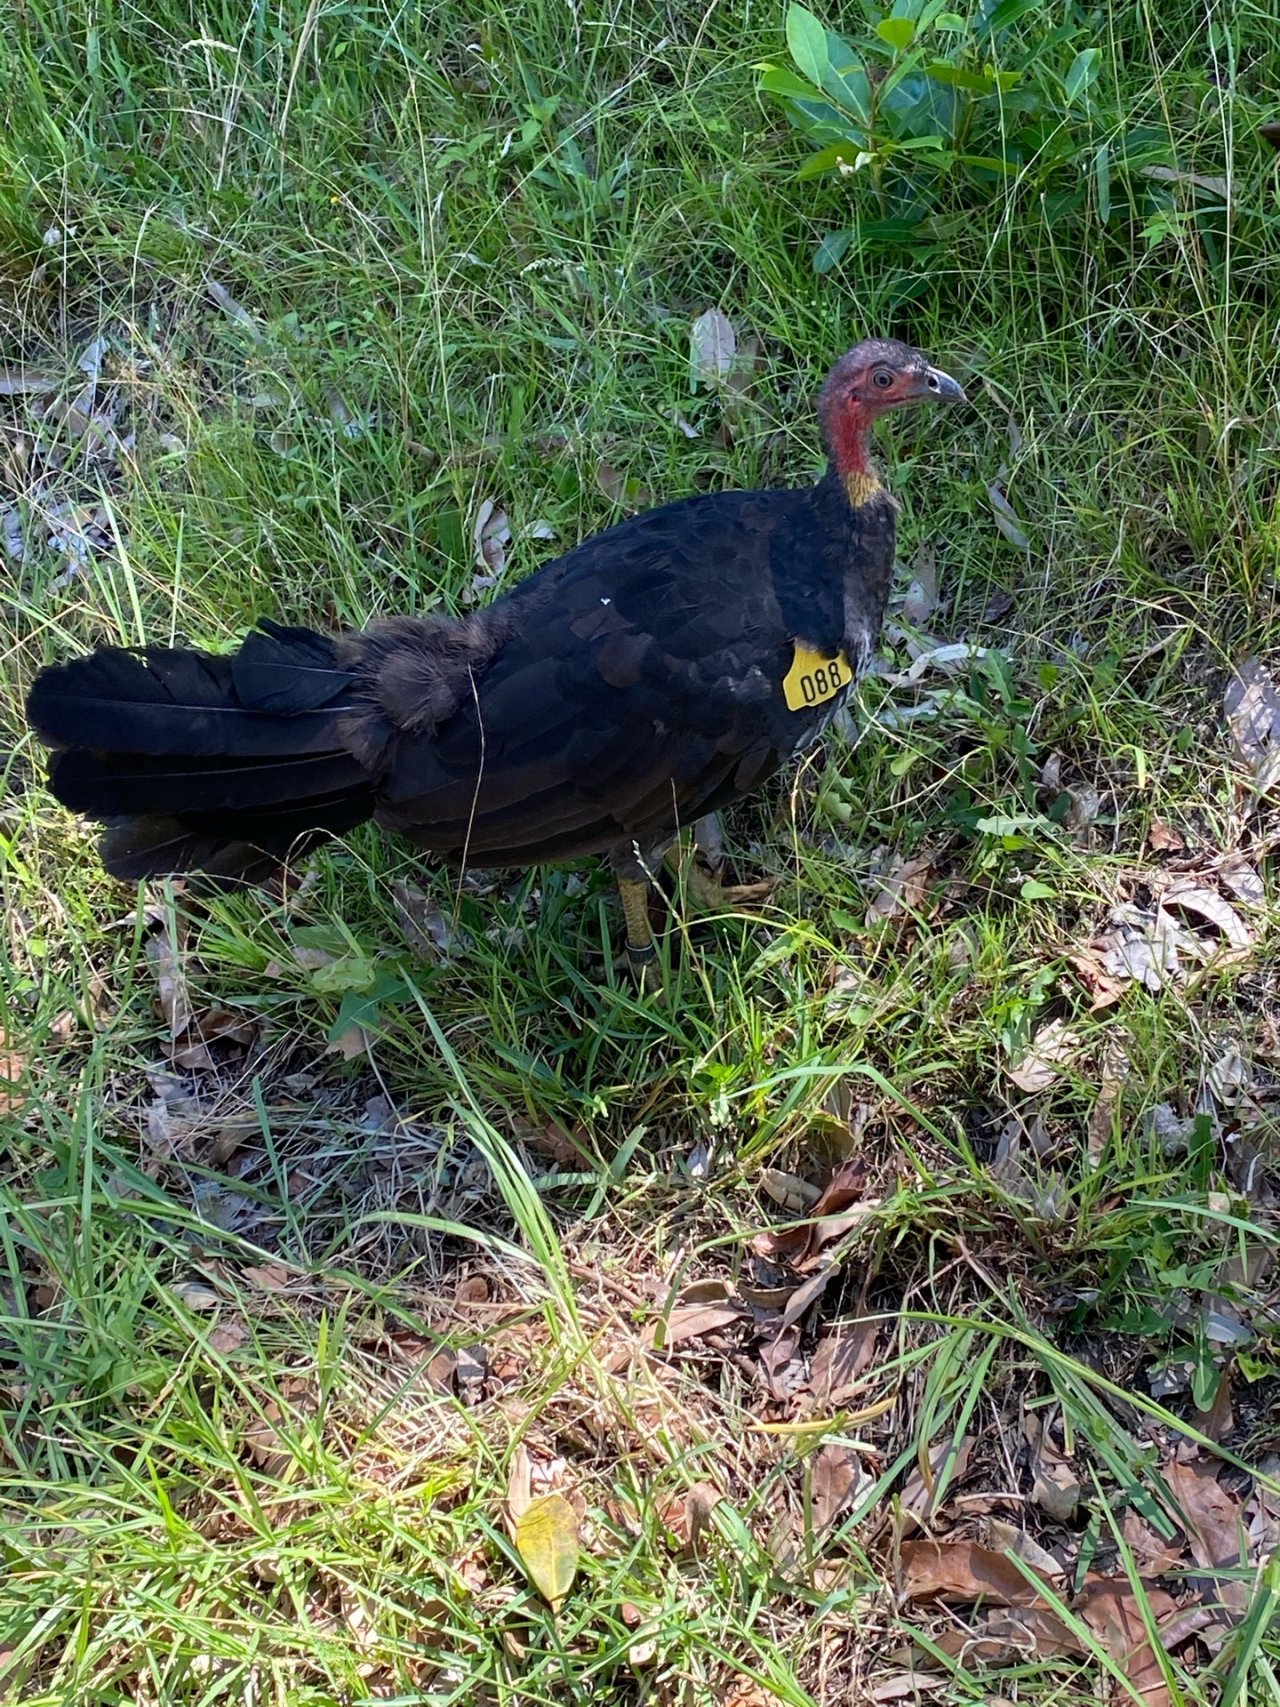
x,y
813,678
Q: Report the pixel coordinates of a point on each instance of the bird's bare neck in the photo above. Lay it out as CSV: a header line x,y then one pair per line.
x,y
849,436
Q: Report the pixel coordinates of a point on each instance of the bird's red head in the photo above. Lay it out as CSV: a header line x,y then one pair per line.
x,y
876,375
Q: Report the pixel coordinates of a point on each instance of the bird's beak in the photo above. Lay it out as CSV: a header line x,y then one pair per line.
x,y
941,387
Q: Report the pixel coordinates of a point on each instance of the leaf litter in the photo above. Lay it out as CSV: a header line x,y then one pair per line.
x,y
1252,708
1185,929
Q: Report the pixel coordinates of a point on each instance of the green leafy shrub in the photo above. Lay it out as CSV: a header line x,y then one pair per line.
x,y
929,114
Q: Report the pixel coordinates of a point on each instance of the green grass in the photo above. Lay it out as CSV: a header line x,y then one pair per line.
x,y
360,268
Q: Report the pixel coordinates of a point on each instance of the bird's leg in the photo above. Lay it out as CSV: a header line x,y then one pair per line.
x,y
642,951
701,870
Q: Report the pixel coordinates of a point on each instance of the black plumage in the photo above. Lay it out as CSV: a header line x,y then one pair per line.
x,y
652,675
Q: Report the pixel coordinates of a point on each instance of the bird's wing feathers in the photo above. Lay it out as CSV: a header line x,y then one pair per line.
x,y
639,681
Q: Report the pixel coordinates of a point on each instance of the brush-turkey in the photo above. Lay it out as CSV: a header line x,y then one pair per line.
x,y
642,681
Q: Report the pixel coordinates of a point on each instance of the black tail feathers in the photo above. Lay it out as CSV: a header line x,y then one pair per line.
x,y
197,762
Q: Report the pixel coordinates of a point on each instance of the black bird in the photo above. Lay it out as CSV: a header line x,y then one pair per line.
x,y
647,678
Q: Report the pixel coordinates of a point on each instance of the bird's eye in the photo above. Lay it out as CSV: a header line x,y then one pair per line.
x,y
883,378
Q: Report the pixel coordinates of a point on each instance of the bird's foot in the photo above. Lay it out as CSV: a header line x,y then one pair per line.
x,y
642,951
702,878
710,893
645,968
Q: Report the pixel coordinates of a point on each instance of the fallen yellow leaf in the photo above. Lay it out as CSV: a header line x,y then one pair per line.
x,y
547,1542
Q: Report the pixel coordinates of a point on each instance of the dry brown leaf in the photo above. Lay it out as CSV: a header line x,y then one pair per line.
x,y
735,391
234,310
840,1360
922,594
351,1042
688,1515
789,1191
442,1370
171,986
1011,1636
425,927
1006,517
1212,185
713,344
1242,880
746,1692
491,535
13,1069
1153,1553
22,381
1109,1608
709,1290
268,1276
473,1290
1163,838
1207,904
1151,946
691,1323
963,1572
904,1686
901,889
1211,1516
795,1244
781,1367
228,1336
519,1485
472,1369
264,1438
191,1050
1086,803
1228,1077
1008,1538
924,1490
643,1653
1104,990
1219,1420
700,1501
1115,1072
1055,1486
1049,1049
1252,707
804,1298
627,494
837,1471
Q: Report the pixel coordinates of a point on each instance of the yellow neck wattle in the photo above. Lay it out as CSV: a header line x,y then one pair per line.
x,y
861,486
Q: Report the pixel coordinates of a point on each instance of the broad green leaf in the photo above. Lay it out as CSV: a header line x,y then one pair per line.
x,y
1009,824
842,154
822,120
934,144
362,1007
1006,14
351,972
807,41
774,80
1084,68
956,77
847,80
928,16
1034,890
989,163
327,939
898,32
547,1542
830,250
1102,182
